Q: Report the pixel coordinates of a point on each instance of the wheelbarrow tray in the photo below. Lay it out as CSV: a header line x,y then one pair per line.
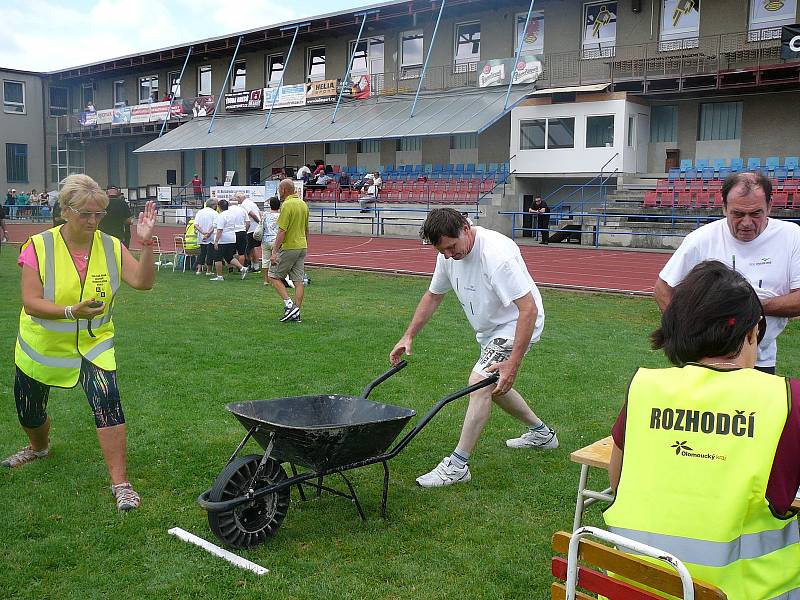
x,y
322,432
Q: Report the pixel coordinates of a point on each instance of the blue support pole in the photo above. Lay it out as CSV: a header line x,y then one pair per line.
x,y
224,83
427,58
172,94
519,52
285,64
350,64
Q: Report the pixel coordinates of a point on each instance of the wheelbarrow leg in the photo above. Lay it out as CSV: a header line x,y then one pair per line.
x,y
354,496
319,487
299,484
385,488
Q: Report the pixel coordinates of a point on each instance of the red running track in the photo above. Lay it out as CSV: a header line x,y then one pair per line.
x,y
552,266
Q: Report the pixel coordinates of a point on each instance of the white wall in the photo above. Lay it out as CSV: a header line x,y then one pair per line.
x,y
336,159
718,149
368,161
579,159
406,157
463,157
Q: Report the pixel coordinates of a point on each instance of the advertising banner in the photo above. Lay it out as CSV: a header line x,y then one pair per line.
x,y
158,110
203,106
287,95
121,115
680,21
105,116
599,29
88,118
361,87
790,42
493,72
497,71
140,113
528,70
533,38
164,194
256,193
766,14
247,100
322,92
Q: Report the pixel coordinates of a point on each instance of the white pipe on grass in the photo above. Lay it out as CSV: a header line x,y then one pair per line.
x,y
232,558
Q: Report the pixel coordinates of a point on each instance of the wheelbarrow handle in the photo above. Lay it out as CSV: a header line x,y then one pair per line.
x,y
491,380
374,383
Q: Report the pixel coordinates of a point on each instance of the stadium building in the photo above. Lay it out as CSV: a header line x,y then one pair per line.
x,y
569,100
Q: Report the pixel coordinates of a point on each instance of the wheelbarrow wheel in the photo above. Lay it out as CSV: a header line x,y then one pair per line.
x,y
250,523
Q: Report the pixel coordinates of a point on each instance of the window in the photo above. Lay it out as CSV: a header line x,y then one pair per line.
x,y
239,76
411,48
600,131
663,123
767,18
468,141
336,148
275,66
547,134
316,63
14,97
87,93
720,121
174,81
148,89
599,29
409,144
368,57
533,38
369,146
17,163
631,130
468,43
120,97
204,80
59,101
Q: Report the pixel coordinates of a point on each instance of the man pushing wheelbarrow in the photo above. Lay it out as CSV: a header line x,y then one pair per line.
x,y
504,307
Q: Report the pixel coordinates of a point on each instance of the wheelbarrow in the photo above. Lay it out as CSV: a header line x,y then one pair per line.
x,y
326,435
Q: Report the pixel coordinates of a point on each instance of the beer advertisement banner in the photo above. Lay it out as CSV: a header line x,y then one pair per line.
x,y
287,95
528,70
790,42
497,71
599,26
322,92
245,100
492,72
680,19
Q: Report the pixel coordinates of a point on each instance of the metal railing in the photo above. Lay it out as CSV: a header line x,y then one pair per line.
x,y
380,220
37,213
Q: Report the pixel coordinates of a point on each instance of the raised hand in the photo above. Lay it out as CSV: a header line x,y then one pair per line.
x,y
147,221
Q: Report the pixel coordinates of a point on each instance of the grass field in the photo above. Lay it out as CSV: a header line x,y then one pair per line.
x,y
189,346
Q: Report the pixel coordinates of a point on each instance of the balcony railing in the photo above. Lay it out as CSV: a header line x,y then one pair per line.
x,y
705,56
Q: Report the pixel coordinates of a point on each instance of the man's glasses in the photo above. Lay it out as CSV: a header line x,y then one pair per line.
x,y
86,215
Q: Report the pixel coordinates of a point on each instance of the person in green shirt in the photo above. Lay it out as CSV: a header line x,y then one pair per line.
x,y
289,250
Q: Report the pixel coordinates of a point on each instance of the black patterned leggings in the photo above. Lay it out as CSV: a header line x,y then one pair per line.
x,y
101,392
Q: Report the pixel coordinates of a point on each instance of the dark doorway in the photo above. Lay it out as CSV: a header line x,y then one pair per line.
x,y
527,220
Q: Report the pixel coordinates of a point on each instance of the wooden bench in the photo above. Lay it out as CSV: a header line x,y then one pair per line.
x,y
634,569
598,455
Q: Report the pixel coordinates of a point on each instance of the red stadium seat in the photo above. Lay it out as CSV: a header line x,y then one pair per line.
x,y
650,200
717,200
685,199
780,200
703,200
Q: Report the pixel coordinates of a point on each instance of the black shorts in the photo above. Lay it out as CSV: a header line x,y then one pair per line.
x,y
225,252
252,242
206,254
241,242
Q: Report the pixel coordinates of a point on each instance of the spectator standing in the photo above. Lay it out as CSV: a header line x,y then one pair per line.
x,y
504,307
225,240
3,233
289,250
541,214
197,188
269,231
240,229
204,227
253,219
118,217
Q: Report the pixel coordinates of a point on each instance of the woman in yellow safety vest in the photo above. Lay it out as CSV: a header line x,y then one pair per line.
x,y
712,446
70,278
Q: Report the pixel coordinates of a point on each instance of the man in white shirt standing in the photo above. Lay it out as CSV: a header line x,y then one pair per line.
x,y
204,226
253,219
225,240
765,251
504,307
241,223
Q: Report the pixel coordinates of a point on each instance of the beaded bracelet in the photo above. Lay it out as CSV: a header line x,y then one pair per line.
x,y
146,243
68,313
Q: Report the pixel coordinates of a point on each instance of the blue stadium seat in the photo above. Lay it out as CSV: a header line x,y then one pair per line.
x,y
428,168
737,164
725,171
470,168
686,164
772,162
780,173
708,173
448,168
690,173
700,164
492,167
674,174
791,164
754,164
418,168
505,167
480,168
719,163
459,168
438,168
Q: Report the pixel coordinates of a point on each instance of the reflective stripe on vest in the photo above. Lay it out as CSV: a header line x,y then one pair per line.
x,y
49,266
717,554
790,595
48,361
699,447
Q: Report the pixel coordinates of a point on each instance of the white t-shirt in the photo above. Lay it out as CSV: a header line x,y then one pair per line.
x,y
302,171
487,281
226,220
240,218
270,226
771,263
250,207
204,219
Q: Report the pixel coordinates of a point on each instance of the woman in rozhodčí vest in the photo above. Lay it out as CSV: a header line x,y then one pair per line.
x,y
712,446
70,278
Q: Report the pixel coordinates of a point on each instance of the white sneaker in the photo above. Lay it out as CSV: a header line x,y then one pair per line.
x,y
445,473
243,272
544,438
217,278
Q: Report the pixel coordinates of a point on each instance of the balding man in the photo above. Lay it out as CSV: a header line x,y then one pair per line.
x,y
766,251
289,250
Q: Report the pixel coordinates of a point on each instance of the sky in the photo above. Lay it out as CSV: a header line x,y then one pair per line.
x,y
45,35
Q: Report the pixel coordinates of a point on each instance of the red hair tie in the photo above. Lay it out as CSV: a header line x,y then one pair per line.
x,y
731,321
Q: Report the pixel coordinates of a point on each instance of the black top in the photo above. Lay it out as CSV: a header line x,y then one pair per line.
x,y
117,215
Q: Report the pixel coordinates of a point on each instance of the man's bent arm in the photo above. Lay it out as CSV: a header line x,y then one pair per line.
x,y
425,309
663,293
522,339
787,305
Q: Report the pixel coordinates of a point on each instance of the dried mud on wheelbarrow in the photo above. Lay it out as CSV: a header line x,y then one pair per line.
x,y
325,435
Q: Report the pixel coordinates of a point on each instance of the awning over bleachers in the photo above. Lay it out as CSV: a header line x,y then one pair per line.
x,y
451,113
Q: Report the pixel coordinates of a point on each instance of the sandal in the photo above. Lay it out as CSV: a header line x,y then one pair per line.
x,y
127,498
